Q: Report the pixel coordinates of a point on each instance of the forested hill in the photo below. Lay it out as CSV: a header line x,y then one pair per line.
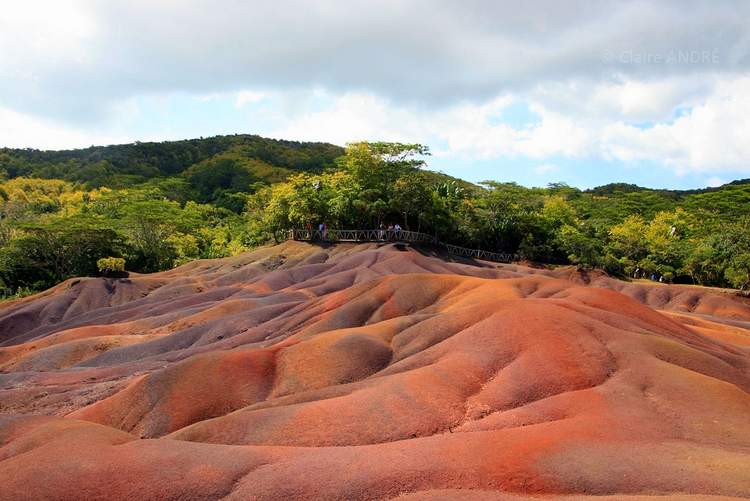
x,y
158,205
219,170
612,202
218,166
127,164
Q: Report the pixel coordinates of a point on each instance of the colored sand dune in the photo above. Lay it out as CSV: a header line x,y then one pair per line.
x,y
373,372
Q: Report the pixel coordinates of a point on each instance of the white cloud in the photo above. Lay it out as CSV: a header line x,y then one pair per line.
x,y
245,97
713,182
339,72
712,136
643,101
18,130
546,168
71,58
353,117
467,130
51,29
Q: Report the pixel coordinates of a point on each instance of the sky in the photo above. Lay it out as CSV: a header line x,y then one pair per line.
x,y
645,92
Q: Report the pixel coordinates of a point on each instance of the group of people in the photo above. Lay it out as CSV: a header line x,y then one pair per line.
x,y
392,229
655,277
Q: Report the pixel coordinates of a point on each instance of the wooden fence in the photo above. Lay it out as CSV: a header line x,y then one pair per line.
x,y
397,236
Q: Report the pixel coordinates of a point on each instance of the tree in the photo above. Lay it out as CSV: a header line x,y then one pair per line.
x,y
507,214
111,266
628,243
262,222
213,179
703,263
376,167
47,253
542,230
581,244
148,224
732,244
412,198
450,191
301,202
666,243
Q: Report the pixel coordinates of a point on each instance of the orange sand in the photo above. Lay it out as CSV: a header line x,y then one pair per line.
x,y
371,372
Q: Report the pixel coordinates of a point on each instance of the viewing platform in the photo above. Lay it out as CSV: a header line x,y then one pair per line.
x,y
398,236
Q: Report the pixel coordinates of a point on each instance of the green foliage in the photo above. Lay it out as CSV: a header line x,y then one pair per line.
x,y
160,205
45,253
225,179
108,265
124,165
732,248
628,244
51,230
581,244
626,230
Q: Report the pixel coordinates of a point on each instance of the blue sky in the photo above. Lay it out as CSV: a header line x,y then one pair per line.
x,y
651,93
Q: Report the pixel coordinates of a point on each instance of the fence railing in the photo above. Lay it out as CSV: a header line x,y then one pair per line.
x,y
397,236
500,257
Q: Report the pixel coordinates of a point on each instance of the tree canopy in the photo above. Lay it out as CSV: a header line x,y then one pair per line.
x,y
159,205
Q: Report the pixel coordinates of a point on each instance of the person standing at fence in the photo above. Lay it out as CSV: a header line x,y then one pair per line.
x,y
322,231
381,232
397,229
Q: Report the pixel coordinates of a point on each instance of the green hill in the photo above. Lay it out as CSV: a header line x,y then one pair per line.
x,y
137,162
214,169
158,205
611,203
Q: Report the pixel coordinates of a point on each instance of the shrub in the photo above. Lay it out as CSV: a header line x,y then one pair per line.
x,y
109,266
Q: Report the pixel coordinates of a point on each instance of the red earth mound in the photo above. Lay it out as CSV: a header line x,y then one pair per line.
x,y
373,372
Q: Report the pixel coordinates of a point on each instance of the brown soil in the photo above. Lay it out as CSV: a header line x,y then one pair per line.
x,y
368,372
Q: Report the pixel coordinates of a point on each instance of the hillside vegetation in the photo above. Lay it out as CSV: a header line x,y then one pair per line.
x,y
158,205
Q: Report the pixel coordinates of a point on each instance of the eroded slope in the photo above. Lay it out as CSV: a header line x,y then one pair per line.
x,y
366,372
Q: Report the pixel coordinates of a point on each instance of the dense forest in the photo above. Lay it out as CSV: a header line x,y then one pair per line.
x,y
152,206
